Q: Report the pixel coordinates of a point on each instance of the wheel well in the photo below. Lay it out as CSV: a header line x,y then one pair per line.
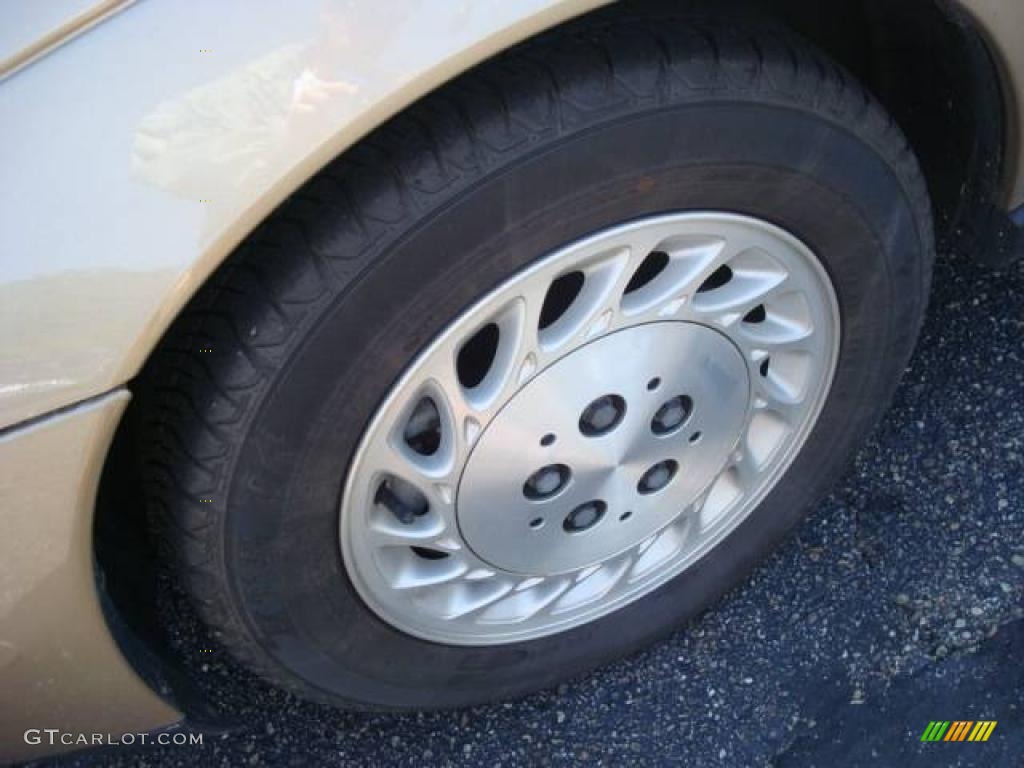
x,y
923,59
930,66
932,69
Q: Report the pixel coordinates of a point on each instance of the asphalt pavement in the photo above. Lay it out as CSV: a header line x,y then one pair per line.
x,y
898,602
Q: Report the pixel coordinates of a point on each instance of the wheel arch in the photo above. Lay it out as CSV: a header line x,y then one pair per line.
x,y
969,159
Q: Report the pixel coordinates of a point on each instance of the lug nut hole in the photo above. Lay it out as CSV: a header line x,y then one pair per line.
x,y
696,436
548,439
672,414
602,416
585,516
657,477
537,523
546,482
653,384
625,516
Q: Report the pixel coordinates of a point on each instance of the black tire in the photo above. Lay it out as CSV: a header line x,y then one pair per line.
x,y
317,313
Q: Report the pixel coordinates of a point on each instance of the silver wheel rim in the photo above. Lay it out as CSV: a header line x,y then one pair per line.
x,y
589,429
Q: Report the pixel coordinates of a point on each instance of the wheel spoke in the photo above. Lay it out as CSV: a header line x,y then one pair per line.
x,y
742,293
593,310
784,375
458,600
388,531
665,544
689,260
593,586
521,605
780,317
407,570
769,397
744,465
501,369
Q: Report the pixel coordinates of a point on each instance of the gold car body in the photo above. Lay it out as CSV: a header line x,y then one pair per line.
x,y
141,142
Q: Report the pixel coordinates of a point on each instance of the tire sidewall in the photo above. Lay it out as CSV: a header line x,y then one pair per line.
x,y
804,173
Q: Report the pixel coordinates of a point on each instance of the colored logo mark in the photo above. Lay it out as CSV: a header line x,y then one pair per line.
x,y
958,730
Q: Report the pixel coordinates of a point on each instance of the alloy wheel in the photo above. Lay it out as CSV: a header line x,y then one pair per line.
x,y
589,429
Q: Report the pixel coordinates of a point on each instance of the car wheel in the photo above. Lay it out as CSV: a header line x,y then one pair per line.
x,y
538,370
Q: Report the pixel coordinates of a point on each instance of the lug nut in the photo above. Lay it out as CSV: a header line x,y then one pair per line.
x,y
671,415
546,482
585,516
602,415
657,477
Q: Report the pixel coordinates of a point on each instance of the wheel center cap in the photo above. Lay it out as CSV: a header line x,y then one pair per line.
x,y
603,448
